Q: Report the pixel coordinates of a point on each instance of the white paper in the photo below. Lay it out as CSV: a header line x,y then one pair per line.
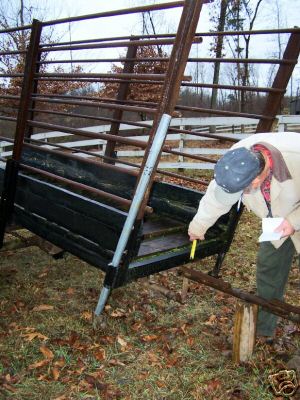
x,y
268,227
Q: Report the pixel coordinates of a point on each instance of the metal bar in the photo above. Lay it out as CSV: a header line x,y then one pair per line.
x,y
121,97
233,87
11,75
278,308
121,59
169,35
150,77
114,45
12,119
244,60
12,52
208,135
86,80
134,10
130,172
145,180
76,157
97,99
110,39
251,32
124,121
110,106
79,132
28,84
81,186
281,80
17,28
176,67
9,97
12,166
223,112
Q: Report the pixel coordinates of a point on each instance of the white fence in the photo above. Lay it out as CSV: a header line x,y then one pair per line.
x,y
237,128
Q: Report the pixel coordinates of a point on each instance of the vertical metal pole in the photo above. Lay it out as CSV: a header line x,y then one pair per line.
x,y
178,60
280,82
122,94
148,170
12,165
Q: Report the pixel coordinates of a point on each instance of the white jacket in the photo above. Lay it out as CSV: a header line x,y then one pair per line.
x,y
285,187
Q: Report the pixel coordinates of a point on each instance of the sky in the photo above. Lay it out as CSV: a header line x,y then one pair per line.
x,y
166,21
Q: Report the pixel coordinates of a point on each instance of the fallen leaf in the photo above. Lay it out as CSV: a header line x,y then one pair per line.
x,y
47,353
115,362
153,359
190,341
55,373
211,320
149,338
100,354
95,383
213,385
136,327
39,364
9,387
122,343
118,313
70,291
87,315
43,307
60,363
32,335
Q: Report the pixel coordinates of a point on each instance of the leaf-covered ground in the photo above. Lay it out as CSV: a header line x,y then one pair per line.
x,y
152,347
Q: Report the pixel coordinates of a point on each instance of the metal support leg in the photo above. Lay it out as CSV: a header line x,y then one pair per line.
x,y
8,195
138,197
216,270
105,292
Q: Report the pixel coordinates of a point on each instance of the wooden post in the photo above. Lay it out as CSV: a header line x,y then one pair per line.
x,y
244,332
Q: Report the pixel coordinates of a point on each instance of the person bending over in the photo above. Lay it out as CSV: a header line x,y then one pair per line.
x,y
262,171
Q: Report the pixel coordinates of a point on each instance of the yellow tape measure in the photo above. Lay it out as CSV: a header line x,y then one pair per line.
x,y
193,249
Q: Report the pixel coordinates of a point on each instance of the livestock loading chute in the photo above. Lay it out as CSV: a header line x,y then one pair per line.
x,y
123,217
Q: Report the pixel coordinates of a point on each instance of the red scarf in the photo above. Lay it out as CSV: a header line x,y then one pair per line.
x,y
266,185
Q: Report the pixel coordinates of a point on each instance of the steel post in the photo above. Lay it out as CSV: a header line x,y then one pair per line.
x,y
137,200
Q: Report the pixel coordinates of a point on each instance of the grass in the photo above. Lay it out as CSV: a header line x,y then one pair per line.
x,y
152,348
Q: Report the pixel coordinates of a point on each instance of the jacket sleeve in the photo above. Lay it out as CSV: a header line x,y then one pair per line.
x,y
294,217
210,209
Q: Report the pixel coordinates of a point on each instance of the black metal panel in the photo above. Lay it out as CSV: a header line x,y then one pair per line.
x,y
74,244
57,205
148,266
95,175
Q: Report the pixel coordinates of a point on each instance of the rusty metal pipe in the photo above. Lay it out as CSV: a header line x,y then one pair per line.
x,y
124,202
101,105
79,132
244,60
81,186
105,45
208,135
233,87
133,10
142,77
279,308
223,112
130,172
85,116
121,59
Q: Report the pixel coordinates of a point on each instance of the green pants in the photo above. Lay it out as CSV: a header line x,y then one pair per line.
x,y
273,267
